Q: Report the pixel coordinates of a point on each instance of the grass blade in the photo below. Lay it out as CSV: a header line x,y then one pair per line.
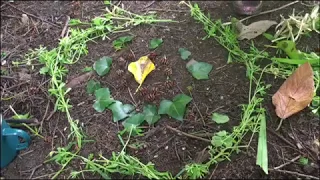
x,y
296,61
262,154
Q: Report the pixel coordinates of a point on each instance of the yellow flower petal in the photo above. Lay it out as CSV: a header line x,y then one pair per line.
x,y
140,69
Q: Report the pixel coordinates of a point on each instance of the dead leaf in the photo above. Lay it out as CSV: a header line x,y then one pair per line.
x,y
254,29
296,92
140,69
78,80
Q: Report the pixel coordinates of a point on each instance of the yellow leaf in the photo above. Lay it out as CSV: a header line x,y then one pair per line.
x,y
140,69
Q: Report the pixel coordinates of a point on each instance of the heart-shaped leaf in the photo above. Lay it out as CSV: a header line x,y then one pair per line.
x,y
133,122
164,106
103,99
121,42
199,70
120,111
154,43
103,65
92,86
184,53
219,118
150,114
295,93
254,29
176,108
140,69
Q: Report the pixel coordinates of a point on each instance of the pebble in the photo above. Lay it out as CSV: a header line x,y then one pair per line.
x,y
166,148
183,148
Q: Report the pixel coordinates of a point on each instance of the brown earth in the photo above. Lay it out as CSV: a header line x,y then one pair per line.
x,y
225,90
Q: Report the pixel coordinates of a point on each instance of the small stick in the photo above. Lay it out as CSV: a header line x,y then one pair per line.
x,y
150,4
34,170
44,116
289,162
65,27
295,173
264,12
162,145
166,10
213,171
188,135
282,138
32,15
135,103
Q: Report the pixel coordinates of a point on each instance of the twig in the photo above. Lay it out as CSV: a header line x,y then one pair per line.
x,y
65,27
289,162
44,116
32,15
282,138
162,145
265,12
194,103
186,134
46,175
32,169
294,173
166,10
50,115
28,152
150,4
17,85
213,171
135,103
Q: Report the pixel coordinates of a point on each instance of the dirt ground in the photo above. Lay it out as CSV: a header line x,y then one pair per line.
x,y
226,88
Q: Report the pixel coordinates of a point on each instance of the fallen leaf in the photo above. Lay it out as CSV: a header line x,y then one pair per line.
x,y
103,65
254,29
154,43
295,93
120,111
150,114
175,108
78,80
219,118
199,70
184,53
93,86
140,69
103,99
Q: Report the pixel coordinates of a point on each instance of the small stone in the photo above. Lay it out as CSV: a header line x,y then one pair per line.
x,y
183,148
155,156
166,148
221,97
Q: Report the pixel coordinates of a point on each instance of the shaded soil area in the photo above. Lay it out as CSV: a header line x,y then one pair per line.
x,y
226,88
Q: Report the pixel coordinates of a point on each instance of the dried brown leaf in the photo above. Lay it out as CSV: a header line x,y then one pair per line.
x,y
296,92
78,80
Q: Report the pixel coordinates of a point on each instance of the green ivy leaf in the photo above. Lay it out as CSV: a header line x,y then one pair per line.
x,y
184,53
219,118
199,70
92,86
164,106
176,108
121,42
150,114
103,99
120,111
103,65
133,122
154,43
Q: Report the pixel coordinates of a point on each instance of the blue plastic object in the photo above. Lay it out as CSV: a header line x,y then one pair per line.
x,y
10,142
